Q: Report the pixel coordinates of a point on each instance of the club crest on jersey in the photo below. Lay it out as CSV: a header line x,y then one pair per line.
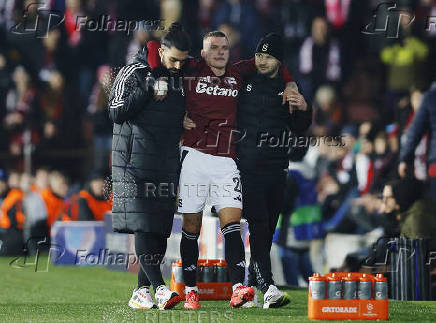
x,y
230,80
265,47
204,79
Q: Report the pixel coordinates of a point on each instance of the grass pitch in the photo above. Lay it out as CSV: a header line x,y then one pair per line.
x,y
94,294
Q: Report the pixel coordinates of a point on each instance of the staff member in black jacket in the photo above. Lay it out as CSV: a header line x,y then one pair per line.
x,y
145,161
263,153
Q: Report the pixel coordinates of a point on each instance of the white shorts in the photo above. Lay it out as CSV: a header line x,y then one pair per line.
x,y
208,178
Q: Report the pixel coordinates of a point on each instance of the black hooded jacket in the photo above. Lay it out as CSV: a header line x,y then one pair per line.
x,y
145,151
266,127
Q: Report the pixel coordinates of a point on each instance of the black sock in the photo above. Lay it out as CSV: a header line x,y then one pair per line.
x,y
189,254
150,249
235,253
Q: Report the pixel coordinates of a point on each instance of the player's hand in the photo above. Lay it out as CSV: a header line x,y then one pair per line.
x,y
160,89
296,101
402,169
188,124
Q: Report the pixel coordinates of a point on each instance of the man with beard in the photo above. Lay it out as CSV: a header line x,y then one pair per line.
x,y
262,121
209,171
145,162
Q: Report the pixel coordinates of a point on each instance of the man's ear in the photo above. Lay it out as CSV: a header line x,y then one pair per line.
x,y
202,53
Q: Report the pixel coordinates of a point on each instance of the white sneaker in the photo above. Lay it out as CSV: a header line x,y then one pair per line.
x,y
274,298
166,298
254,302
141,299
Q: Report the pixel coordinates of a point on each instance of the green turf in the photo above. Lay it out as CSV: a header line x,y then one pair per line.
x,y
94,294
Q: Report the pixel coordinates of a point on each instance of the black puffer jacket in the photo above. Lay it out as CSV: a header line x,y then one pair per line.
x,y
264,125
145,151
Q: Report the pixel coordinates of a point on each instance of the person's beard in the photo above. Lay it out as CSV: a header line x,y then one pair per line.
x,y
269,73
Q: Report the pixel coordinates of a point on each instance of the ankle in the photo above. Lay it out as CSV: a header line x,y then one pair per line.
x,y
189,289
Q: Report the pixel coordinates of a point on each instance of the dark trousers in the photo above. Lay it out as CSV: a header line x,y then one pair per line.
x,y
432,190
262,202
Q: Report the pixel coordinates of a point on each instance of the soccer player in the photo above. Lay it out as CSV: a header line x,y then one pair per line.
x,y
209,170
263,157
145,162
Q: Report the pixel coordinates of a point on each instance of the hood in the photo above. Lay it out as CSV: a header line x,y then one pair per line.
x,y
141,56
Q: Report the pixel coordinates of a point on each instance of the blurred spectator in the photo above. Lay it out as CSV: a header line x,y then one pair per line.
x,y
140,38
385,162
4,86
93,204
328,116
3,185
35,210
404,60
243,15
54,196
320,58
56,56
410,215
22,111
12,218
234,38
52,105
101,124
424,121
407,113
72,11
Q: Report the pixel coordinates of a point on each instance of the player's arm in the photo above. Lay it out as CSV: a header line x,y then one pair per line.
x,y
128,95
419,126
247,68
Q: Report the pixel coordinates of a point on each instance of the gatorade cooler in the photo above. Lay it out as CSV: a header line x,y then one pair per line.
x,y
327,305
213,282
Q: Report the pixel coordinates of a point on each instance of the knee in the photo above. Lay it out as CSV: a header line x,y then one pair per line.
x,y
229,215
192,224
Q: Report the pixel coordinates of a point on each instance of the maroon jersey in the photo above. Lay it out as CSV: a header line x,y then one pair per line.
x,y
211,102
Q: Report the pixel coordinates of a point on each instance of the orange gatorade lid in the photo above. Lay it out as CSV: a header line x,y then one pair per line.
x,y
317,284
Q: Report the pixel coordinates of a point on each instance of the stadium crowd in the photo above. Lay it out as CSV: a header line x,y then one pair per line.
x,y
366,88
